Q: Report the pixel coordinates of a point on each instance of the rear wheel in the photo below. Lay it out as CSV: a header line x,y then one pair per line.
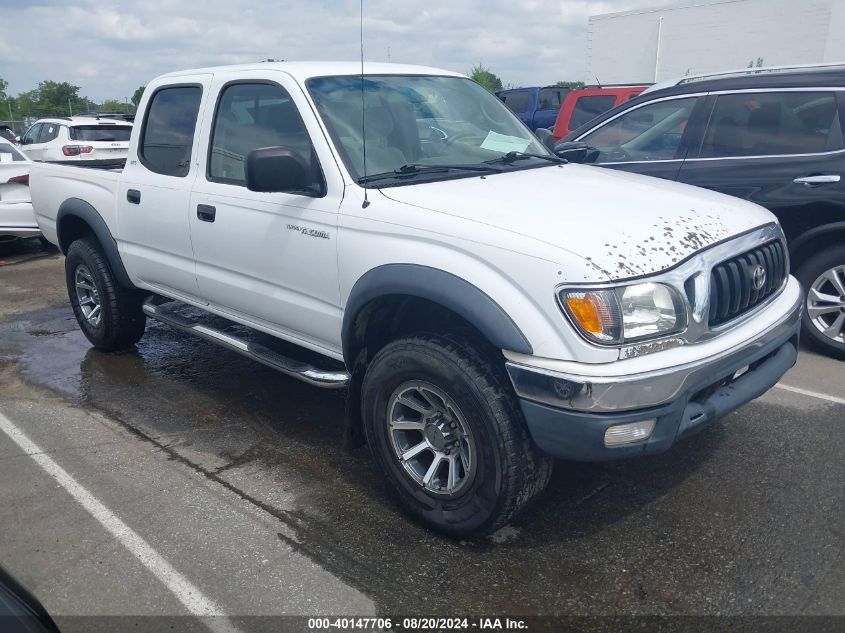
x,y
444,427
109,315
823,321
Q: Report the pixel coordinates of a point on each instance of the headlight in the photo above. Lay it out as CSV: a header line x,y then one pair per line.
x,y
628,313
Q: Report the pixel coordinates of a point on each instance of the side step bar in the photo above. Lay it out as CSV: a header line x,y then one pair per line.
x,y
265,356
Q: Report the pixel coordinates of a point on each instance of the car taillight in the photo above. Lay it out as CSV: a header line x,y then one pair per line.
x,y
21,180
76,150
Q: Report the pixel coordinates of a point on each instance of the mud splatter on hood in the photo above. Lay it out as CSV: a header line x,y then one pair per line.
x,y
623,224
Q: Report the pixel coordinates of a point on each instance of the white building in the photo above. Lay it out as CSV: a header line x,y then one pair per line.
x,y
650,45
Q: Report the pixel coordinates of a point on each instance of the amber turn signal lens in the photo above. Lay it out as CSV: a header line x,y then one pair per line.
x,y
586,313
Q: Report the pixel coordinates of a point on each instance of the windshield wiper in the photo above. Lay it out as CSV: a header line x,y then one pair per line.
x,y
414,169
514,156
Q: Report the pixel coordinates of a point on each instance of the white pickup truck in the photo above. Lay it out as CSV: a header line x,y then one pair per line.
x,y
486,305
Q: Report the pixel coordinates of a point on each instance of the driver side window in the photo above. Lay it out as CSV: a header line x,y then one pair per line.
x,y
32,134
650,132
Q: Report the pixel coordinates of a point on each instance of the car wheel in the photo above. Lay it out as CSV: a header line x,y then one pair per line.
x,y
823,321
444,427
109,315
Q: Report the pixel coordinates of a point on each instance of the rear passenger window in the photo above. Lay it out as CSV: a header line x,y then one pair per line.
x,y
588,108
248,117
772,123
49,131
551,98
516,101
168,133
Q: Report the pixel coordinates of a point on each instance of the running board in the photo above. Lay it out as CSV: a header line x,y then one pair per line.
x,y
294,368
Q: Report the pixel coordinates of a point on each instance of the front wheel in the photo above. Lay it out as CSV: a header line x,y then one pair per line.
x,y
823,321
109,315
446,431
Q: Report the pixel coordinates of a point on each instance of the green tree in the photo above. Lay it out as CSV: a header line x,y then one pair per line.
x,y
3,85
113,105
136,96
569,84
485,77
53,98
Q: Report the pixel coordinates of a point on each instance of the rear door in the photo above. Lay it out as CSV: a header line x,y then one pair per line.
x,y
651,138
781,149
154,190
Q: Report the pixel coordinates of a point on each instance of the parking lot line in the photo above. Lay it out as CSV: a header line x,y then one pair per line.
x,y
182,588
812,394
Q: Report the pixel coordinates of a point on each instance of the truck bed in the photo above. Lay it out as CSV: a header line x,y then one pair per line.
x,y
53,183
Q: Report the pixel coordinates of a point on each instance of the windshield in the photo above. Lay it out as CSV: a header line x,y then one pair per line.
x,y
433,127
100,132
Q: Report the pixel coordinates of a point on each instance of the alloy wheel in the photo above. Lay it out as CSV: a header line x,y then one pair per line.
x,y
826,303
88,296
431,438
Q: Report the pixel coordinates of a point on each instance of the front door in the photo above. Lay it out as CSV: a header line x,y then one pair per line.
x,y
29,142
267,258
152,198
650,139
780,149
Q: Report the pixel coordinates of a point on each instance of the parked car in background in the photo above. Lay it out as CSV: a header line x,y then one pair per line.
x,y
17,219
585,104
537,107
81,140
773,137
8,133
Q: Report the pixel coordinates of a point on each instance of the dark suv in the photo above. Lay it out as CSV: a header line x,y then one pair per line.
x,y
772,136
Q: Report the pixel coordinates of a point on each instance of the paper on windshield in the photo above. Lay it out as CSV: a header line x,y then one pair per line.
x,y
504,143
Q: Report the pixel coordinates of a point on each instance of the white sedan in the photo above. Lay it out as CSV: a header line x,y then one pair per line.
x,y
17,218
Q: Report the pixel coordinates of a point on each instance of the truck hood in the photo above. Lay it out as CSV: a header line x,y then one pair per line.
x,y
624,224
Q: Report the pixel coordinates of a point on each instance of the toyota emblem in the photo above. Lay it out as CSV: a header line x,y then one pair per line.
x,y
758,278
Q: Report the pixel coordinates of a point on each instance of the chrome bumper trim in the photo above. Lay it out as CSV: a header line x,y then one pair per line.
x,y
636,391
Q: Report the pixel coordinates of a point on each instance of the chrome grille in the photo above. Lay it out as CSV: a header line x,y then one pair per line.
x,y
737,285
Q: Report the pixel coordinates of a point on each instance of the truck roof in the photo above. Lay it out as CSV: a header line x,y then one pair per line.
x,y
306,70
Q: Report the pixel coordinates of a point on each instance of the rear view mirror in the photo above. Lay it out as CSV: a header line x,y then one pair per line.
x,y
278,169
546,137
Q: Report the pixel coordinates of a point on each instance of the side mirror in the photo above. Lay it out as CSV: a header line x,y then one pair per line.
x,y
574,151
546,137
278,169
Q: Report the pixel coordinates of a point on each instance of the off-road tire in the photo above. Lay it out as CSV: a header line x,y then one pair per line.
x,y
123,321
510,471
807,273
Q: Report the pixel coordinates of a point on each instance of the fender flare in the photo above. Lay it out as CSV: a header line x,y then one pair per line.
x,y
76,207
438,286
803,240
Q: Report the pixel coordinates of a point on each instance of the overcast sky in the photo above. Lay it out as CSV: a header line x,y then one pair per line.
x,y
111,47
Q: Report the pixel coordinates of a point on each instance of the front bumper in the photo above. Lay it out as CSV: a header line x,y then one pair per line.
x,y
568,416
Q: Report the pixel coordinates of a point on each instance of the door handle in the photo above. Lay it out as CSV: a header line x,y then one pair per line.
x,y
134,196
206,212
818,179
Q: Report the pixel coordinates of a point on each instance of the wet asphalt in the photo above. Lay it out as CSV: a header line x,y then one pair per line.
x,y
239,477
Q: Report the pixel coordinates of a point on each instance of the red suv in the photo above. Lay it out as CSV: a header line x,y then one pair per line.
x,y
585,104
